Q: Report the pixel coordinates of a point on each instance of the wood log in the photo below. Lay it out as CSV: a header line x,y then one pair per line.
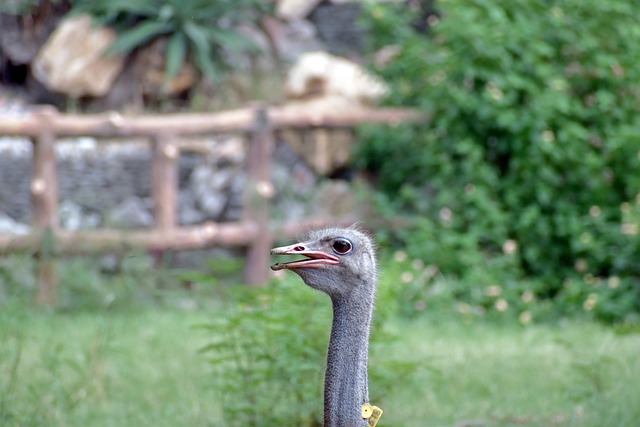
x,y
200,236
164,181
44,206
44,183
120,241
287,118
258,194
114,124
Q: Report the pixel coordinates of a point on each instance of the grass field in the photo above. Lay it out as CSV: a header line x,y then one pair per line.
x,y
141,367
573,374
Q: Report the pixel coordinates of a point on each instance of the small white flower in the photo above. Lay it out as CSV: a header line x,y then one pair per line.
x,y
400,256
525,317
406,277
590,302
446,214
501,305
527,296
613,282
493,290
509,246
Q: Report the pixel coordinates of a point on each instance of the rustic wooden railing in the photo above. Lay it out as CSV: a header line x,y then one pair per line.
x,y
254,231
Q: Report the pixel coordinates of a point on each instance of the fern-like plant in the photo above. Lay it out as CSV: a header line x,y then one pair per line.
x,y
197,31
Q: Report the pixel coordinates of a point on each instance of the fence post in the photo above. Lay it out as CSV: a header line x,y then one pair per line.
x,y
259,192
44,207
164,187
164,180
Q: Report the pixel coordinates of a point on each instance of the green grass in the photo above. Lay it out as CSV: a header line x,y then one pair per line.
x,y
573,374
120,352
140,367
105,369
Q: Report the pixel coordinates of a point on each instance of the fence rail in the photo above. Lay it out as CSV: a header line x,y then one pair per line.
x,y
114,124
254,231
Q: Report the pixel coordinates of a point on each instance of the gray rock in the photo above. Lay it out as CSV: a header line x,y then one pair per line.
x,y
235,206
133,212
73,217
70,215
10,225
72,61
188,213
295,9
208,185
338,27
212,204
289,171
20,41
294,38
84,171
15,177
294,181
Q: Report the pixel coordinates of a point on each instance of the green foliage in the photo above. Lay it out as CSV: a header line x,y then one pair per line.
x,y
200,31
527,168
25,7
423,290
268,352
135,367
17,7
93,283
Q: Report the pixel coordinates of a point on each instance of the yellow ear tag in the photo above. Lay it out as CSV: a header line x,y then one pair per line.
x,y
367,410
371,413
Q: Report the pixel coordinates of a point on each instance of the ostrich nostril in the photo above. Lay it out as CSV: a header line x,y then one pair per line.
x,y
299,248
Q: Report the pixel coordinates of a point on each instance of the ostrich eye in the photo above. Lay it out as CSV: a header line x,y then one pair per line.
x,y
342,246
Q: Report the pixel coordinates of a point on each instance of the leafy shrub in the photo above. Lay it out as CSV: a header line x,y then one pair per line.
x,y
198,31
423,290
268,348
527,167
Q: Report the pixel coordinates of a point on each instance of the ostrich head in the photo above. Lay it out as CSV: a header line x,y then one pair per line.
x,y
339,262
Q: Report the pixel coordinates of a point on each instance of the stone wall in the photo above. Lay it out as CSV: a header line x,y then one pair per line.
x,y
108,183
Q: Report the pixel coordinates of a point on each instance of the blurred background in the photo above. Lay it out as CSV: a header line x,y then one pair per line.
x,y
494,158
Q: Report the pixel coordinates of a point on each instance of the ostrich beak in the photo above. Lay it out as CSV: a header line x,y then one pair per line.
x,y
313,258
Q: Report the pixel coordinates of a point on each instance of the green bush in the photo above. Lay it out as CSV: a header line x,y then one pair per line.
x,y
527,167
268,350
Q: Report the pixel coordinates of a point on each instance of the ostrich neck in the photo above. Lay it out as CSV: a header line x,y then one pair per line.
x,y
346,384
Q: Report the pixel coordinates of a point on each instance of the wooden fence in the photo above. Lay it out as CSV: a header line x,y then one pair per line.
x,y
254,231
